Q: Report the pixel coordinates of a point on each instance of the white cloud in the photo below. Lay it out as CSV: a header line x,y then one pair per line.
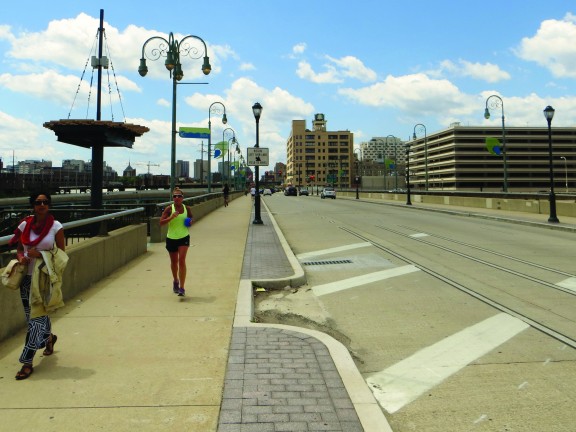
x,y
25,140
65,41
416,93
164,103
299,48
6,33
353,68
47,85
488,72
336,71
247,67
552,47
305,71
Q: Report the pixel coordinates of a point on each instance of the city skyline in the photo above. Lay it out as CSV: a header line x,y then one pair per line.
x,y
400,65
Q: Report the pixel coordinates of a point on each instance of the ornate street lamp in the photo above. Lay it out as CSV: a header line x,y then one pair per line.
x,y
217,110
549,115
257,111
499,103
421,127
234,143
172,49
227,151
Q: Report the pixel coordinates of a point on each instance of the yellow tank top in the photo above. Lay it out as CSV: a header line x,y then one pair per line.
x,y
176,227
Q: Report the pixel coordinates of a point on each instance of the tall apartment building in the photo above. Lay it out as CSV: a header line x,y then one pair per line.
x,y
201,170
317,156
457,159
182,168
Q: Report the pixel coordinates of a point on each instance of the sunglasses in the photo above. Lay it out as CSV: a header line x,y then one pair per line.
x,y
178,196
41,202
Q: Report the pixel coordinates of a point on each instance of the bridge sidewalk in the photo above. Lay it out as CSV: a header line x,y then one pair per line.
x,y
131,355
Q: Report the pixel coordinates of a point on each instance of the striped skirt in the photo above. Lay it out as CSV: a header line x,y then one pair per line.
x,y
39,329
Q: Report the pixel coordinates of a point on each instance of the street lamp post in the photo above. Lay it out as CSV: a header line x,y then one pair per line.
x,y
565,172
227,151
358,177
499,103
395,159
408,201
236,150
257,110
217,110
420,127
172,49
549,115
235,176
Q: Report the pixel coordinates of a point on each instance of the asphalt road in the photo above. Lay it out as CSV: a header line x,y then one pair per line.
x,y
456,323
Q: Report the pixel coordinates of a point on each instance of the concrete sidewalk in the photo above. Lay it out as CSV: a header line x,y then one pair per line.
x,y
133,356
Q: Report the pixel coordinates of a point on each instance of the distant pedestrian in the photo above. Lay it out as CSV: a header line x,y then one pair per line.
x,y
179,218
226,193
253,192
37,236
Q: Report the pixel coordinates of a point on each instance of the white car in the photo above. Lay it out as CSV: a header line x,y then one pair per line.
x,y
328,192
267,192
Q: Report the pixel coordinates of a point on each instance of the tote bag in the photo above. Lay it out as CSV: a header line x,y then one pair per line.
x,y
13,274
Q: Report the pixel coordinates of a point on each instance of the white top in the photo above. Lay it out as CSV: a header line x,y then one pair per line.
x,y
47,243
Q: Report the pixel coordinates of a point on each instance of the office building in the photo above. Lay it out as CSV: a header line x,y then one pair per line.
x,y
318,156
457,158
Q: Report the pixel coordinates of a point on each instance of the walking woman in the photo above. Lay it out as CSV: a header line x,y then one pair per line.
x,y
179,218
37,237
226,193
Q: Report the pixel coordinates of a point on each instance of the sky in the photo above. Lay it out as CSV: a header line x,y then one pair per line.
x,y
374,67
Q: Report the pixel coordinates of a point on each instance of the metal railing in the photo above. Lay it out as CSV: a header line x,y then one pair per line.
x,y
86,228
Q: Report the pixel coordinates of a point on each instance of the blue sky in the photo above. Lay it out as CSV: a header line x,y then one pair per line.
x,y
373,67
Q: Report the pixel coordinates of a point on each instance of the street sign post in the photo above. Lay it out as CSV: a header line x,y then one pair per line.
x,y
257,156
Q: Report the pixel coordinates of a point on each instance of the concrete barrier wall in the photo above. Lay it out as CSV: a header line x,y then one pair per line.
x,y
527,205
90,261
96,258
563,208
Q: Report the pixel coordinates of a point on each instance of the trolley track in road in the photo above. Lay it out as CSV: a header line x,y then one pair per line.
x,y
489,264
479,296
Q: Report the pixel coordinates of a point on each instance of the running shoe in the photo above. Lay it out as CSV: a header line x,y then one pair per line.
x,y
175,287
181,292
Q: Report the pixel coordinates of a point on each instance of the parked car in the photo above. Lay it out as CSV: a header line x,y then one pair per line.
x,y
267,192
291,191
328,192
304,191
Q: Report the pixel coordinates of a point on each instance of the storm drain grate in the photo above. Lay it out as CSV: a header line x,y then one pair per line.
x,y
311,263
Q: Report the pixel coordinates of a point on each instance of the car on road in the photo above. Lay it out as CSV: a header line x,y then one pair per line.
x,y
267,192
328,192
291,191
304,191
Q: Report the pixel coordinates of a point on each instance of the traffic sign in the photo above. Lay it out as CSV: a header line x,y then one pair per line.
x,y
257,156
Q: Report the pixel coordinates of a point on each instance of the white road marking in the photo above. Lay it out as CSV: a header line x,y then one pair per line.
x,y
332,250
481,418
569,283
418,235
405,381
333,287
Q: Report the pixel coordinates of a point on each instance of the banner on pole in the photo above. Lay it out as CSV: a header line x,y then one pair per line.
x,y
194,132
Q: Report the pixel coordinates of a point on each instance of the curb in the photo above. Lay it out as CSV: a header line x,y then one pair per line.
x,y
369,412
